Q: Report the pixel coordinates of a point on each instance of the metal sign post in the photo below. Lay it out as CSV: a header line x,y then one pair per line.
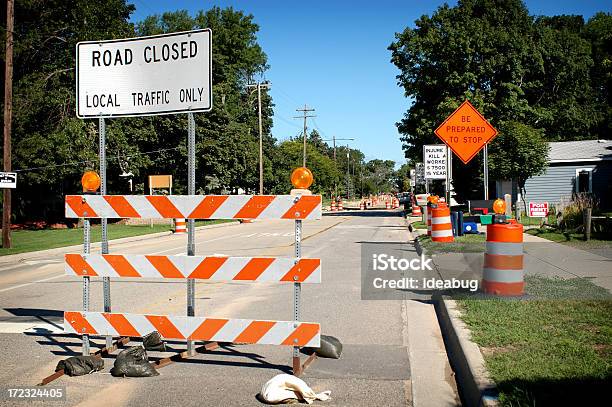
x,y
297,291
86,250
104,221
486,172
190,222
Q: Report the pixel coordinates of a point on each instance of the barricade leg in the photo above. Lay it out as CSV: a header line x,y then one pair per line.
x,y
297,290
86,249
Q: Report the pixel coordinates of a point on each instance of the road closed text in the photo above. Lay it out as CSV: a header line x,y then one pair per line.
x,y
145,76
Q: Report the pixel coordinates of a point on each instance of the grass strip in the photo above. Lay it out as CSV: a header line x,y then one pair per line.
x,y
33,240
546,352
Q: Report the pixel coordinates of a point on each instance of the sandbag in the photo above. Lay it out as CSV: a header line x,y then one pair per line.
x,y
153,341
284,387
330,347
80,365
133,362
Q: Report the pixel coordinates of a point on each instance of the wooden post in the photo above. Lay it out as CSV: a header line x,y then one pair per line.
x,y
8,114
587,223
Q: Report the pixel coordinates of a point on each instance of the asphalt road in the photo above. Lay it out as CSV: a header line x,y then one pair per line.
x,y
373,370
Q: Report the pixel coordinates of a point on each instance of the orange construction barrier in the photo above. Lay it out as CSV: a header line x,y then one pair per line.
x,y
362,205
180,225
387,205
503,272
441,227
416,210
340,207
333,206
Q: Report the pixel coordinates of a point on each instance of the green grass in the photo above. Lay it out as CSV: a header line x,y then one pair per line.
x,y
598,240
419,225
546,352
462,244
32,240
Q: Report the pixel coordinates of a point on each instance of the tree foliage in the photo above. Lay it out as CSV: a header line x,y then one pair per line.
x,y
541,72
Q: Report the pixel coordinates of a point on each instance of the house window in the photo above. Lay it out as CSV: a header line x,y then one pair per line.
x,y
584,180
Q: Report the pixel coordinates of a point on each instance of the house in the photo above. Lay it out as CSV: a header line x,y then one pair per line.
x,y
574,166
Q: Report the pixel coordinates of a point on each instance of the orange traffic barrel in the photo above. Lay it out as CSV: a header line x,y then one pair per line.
x,y
503,272
340,207
362,205
416,210
387,205
333,206
441,227
180,226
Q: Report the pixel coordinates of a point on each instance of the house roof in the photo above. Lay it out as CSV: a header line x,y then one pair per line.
x,y
583,150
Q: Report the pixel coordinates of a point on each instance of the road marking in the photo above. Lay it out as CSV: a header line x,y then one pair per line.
x,y
33,282
29,327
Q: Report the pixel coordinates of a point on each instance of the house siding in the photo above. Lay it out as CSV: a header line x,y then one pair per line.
x,y
559,179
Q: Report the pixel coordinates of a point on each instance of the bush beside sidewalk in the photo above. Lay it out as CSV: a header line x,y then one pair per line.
x,y
538,352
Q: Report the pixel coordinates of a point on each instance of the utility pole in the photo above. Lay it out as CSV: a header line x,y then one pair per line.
x,y
348,173
333,140
259,85
8,114
304,111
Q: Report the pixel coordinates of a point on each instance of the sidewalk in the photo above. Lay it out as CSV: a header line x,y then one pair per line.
x,y
556,259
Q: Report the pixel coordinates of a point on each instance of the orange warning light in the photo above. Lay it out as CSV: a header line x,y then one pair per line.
x,y
301,178
433,199
499,206
90,181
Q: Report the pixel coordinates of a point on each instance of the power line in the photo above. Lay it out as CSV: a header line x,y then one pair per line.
x,y
88,161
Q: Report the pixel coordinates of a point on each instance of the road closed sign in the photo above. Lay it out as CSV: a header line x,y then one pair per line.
x,y
434,158
466,132
538,209
162,74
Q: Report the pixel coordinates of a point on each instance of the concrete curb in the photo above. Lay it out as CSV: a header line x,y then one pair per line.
x,y
475,385
15,258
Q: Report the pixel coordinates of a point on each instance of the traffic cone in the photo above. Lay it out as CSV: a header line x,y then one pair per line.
x,y
180,226
502,272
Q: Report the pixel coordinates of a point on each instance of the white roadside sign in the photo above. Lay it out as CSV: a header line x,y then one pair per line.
x,y
8,180
434,157
162,74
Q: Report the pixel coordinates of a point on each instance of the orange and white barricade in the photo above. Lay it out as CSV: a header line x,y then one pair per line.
x,y
295,270
387,205
503,272
441,227
362,205
333,207
416,210
340,207
180,225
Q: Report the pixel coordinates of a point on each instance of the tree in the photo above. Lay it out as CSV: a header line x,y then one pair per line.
x,y
511,66
520,152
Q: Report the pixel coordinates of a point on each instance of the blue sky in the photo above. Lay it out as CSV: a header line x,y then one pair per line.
x,y
332,55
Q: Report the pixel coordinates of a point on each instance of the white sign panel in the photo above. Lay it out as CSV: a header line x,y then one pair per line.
x,y
162,74
538,209
8,180
434,157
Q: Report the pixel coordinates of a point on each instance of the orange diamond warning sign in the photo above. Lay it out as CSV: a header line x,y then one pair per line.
x,y
466,132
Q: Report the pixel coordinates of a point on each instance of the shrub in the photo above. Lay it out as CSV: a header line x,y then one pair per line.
x,y
570,214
